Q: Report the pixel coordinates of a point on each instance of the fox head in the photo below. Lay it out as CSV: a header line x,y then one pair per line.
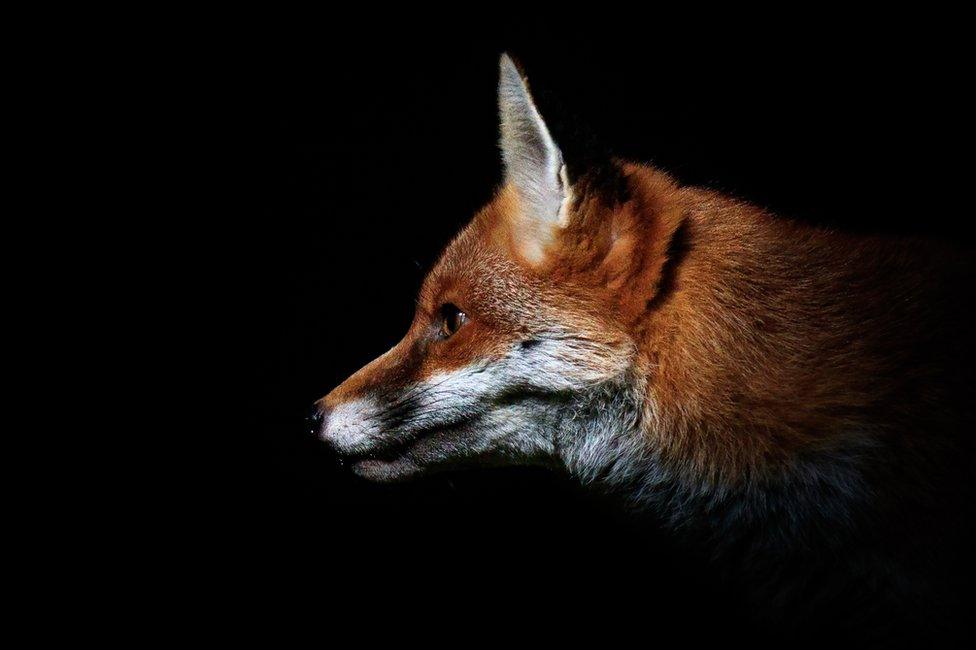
x,y
524,337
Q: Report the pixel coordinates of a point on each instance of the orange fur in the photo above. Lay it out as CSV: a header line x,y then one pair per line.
x,y
775,384
754,352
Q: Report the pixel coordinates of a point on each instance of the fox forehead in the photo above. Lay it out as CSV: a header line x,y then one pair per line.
x,y
481,272
484,284
476,272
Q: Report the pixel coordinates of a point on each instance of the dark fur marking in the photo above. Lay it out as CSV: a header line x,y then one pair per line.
x,y
677,250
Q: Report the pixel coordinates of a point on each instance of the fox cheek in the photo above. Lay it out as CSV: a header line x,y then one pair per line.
x,y
568,362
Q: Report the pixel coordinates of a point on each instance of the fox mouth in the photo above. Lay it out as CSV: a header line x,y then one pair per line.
x,y
389,462
400,459
386,453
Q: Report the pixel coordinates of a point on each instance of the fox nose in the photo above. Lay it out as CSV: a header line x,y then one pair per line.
x,y
318,419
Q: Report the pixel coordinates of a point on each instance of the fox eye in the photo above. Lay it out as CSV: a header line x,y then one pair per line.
x,y
452,319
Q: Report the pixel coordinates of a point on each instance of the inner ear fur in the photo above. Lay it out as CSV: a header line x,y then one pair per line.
x,y
625,236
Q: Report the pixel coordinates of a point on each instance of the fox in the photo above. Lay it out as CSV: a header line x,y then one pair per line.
x,y
795,398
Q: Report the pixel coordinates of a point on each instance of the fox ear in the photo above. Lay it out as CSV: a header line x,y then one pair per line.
x,y
534,165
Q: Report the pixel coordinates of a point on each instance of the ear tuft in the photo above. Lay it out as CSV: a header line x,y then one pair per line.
x,y
533,163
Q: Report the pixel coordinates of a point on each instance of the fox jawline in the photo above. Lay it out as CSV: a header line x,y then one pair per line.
x,y
394,450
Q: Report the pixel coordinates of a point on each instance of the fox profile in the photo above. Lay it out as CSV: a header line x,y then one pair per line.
x,y
789,394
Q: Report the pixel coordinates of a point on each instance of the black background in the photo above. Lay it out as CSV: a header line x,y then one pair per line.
x,y
346,156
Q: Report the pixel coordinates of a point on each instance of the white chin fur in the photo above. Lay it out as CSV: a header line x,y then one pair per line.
x,y
382,471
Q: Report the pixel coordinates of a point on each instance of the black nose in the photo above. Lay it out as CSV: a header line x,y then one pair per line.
x,y
318,418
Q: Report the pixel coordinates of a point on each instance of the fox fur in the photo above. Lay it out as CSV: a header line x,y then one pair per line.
x,y
787,395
